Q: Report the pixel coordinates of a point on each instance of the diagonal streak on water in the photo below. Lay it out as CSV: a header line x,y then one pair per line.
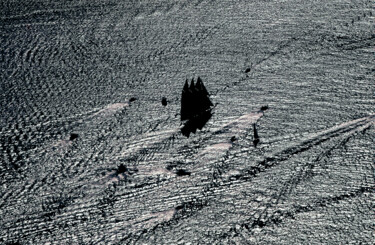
x,y
238,127
217,146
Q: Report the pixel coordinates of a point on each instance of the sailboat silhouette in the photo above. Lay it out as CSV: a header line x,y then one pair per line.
x,y
195,106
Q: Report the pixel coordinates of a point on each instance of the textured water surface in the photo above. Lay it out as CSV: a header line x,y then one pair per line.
x,y
81,87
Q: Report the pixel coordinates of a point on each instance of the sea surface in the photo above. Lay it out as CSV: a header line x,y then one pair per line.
x,y
89,155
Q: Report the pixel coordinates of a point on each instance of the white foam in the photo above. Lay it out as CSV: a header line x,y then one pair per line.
x,y
110,110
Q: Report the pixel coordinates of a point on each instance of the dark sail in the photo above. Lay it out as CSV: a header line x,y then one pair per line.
x,y
185,102
192,86
194,100
202,87
204,96
204,90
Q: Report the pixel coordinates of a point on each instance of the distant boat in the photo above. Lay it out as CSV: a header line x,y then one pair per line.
x,y
194,99
264,108
195,106
73,136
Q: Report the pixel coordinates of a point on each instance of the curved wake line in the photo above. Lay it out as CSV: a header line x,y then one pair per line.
x,y
309,141
344,130
213,152
350,124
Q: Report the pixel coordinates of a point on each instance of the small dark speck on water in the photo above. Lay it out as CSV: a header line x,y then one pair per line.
x,y
73,136
233,138
132,99
248,70
179,207
121,169
182,172
164,101
265,107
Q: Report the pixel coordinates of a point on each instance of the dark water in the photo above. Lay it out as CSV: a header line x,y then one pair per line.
x,y
69,69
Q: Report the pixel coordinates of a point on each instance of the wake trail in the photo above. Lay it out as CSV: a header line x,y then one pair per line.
x,y
351,129
218,147
342,131
275,158
219,144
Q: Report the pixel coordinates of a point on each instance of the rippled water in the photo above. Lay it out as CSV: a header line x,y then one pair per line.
x,y
73,67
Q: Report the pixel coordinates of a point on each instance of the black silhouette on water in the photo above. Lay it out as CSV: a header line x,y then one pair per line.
x,y
233,139
264,108
248,70
195,123
256,136
195,106
182,172
194,99
121,169
164,101
73,136
132,99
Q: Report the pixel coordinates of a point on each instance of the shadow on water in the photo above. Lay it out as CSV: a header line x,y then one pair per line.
x,y
195,123
256,136
182,172
73,136
164,101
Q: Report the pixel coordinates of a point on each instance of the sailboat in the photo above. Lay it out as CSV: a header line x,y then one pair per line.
x,y
194,100
195,106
